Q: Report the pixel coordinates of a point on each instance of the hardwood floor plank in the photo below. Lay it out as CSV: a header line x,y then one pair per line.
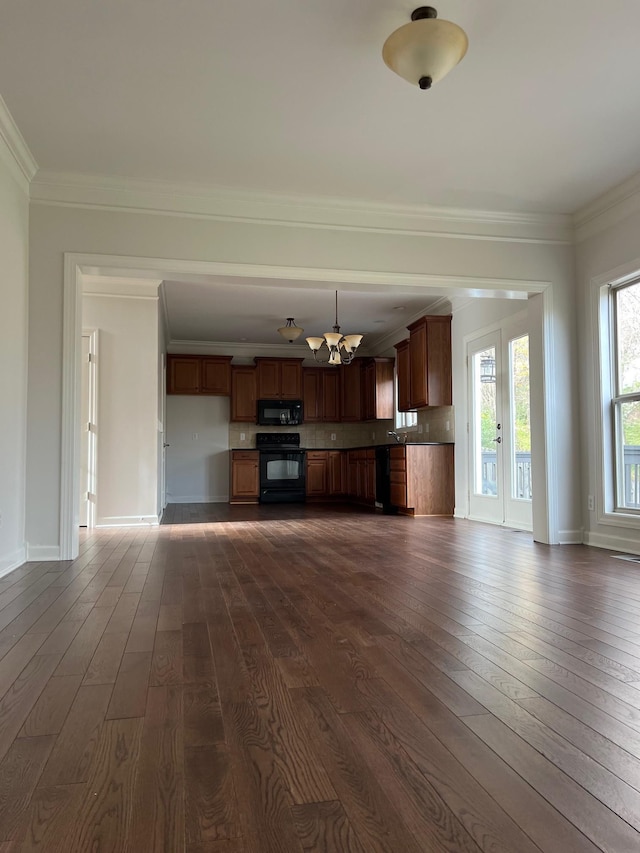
x,y
325,828
105,820
71,757
129,697
50,711
158,819
211,807
19,773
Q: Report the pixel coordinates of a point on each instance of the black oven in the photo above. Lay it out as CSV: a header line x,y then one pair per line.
x,y
279,412
282,467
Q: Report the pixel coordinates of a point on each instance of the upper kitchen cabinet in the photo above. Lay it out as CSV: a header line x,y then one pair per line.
x,y
243,394
403,374
377,389
279,378
321,394
429,362
199,374
351,391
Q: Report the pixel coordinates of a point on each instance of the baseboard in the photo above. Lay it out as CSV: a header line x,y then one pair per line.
x,y
42,553
458,514
197,499
612,543
127,521
11,561
570,537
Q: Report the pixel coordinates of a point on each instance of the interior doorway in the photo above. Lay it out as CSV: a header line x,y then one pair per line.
x,y
500,482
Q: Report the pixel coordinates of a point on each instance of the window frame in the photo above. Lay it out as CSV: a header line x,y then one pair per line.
x,y
617,400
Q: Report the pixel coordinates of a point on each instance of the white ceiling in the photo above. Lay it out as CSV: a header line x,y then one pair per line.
x,y
292,97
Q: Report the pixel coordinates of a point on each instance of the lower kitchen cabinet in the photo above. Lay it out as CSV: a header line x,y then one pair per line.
x,y
245,476
361,476
317,473
422,481
337,469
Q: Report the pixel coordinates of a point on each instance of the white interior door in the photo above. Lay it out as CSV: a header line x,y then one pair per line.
x,y
499,428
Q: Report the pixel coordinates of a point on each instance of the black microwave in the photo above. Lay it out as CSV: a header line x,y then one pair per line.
x,y
279,412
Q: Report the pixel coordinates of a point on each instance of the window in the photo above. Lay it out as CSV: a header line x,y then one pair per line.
x,y
402,420
625,399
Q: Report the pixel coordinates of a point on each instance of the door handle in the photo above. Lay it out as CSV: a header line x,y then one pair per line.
x,y
498,440
166,445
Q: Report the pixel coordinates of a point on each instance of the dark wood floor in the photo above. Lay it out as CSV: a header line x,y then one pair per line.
x,y
320,679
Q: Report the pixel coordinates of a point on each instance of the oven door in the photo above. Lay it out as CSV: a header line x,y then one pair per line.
x,y
282,475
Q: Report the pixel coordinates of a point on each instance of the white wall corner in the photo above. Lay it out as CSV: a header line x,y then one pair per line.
x,y
12,561
608,209
14,150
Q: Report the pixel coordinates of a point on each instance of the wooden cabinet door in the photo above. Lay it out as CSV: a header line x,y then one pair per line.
x,y
336,472
183,374
290,379
350,392
331,395
268,379
369,391
245,475
418,364
215,375
352,473
317,479
312,394
439,392
403,376
243,394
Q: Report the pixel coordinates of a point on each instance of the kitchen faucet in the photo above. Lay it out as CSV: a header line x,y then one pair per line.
x,y
397,437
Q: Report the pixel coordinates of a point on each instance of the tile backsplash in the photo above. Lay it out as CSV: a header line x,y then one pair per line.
x,y
437,425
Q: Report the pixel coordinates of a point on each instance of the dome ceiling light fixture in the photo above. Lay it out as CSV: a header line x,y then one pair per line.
x,y
425,50
342,348
290,332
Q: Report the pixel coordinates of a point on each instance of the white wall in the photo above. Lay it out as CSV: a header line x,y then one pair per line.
x,y
127,433
600,257
198,452
14,237
55,230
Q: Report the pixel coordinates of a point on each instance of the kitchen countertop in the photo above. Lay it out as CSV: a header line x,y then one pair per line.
x,y
361,446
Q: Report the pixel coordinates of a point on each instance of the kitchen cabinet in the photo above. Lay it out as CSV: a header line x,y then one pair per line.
x,y
279,378
422,481
430,362
317,473
337,465
199,374
321,394
351,391
245,476
403,375
361,465
243,394
377,389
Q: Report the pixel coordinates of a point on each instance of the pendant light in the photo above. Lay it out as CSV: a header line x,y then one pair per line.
x,y
425,50
341,348
290,332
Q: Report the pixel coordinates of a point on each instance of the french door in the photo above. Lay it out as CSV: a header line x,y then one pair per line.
x,y
500,487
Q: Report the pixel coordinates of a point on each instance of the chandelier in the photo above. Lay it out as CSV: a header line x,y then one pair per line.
x,y
425,50
341,348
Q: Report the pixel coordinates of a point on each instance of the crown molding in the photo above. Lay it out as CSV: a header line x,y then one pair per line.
x,y
122,288
195,200
608,209
14,150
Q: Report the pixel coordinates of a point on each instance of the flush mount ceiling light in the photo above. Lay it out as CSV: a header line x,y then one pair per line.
x,y
290,332
342,348
425,50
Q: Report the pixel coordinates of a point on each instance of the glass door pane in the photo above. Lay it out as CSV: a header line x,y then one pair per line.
x,y
520,419
486,425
